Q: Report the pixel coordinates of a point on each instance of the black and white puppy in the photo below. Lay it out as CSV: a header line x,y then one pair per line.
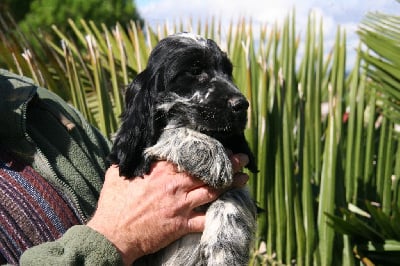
x,y
185,108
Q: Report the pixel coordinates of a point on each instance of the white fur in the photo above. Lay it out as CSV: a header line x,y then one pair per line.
x,y
230,220
190,36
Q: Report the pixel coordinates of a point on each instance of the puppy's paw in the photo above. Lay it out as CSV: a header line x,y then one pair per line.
x,y
196,153
206,159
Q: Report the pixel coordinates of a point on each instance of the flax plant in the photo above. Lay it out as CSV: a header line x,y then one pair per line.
x,y
324,136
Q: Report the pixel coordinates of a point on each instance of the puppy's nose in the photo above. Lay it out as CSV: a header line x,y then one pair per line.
x,y
238,104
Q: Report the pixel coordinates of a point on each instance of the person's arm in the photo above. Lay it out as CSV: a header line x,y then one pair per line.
x,y
134,217
80,245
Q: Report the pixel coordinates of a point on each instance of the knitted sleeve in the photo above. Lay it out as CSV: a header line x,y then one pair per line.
x,y
80,245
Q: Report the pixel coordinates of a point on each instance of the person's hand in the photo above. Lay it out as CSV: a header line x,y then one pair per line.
x,y
144,214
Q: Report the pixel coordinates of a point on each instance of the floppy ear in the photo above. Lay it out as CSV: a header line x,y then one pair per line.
x,y
138,128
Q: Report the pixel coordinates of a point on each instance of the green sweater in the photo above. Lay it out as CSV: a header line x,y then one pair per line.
x,y
69,153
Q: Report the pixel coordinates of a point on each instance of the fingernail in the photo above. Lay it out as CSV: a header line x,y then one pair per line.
x,y
243,159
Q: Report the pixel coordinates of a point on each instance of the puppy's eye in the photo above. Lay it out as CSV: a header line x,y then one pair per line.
x,y
195,71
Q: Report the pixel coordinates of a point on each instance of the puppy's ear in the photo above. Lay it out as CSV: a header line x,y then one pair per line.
x,y
138,127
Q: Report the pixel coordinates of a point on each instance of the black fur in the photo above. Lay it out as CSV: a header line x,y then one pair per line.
x,y
180,67
185,108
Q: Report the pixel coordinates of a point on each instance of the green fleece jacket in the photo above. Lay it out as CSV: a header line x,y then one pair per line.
x,y
69,153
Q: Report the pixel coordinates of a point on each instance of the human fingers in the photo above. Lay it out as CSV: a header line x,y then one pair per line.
x,y
196,223
202,195
160,169
239,160
239,180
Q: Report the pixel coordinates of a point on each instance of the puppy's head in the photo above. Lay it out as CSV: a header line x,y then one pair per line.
x,y
187,83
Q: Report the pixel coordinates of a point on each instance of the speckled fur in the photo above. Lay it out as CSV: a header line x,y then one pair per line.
x,y
185,108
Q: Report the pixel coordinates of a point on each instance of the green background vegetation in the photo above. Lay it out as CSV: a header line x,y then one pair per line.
x,y
326,137
41,14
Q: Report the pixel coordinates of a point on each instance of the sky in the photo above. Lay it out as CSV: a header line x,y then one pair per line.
x,y
346,13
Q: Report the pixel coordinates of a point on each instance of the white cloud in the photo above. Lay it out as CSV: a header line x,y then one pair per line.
x,y
262,11
346,13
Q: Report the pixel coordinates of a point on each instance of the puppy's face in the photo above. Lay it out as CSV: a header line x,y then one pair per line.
x,y
187,83
198,90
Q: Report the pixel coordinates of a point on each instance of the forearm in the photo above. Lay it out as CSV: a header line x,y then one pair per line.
x,y
79,245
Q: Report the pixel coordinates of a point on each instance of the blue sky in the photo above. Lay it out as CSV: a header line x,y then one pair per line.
x,y
346,13
334,11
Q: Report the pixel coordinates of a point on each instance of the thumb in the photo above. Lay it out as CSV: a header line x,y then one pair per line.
x,y
196,222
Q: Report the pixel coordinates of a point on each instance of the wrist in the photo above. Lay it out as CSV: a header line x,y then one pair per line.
x,y
128,251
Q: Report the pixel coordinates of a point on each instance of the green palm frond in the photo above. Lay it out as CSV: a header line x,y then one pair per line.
x,y
376,235
380,33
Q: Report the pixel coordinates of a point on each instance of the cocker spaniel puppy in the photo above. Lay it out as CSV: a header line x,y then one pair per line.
x,y
185,108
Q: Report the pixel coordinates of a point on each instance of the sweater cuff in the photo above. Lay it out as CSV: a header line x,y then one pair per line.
x,y
92,243
79,245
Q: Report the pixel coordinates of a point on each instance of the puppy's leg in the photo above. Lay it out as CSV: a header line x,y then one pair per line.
x,y
226,240
230,220
198,154
229,230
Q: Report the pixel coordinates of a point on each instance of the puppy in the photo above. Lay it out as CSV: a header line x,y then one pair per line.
x,y
185,108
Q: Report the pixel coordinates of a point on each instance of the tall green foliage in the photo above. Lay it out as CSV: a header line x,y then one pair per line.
x,y
35,14
373,224
18,8
319,133
48,12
